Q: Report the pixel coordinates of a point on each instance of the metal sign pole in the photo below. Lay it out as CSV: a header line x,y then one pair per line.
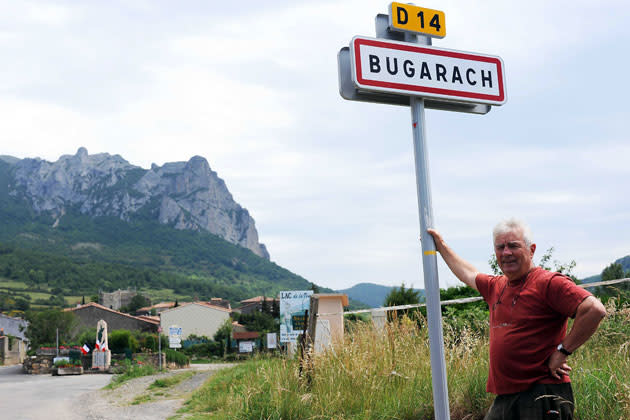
x,y
365,75
159,349
429,257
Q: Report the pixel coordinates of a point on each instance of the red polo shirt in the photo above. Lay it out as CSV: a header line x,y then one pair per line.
x,y
527,321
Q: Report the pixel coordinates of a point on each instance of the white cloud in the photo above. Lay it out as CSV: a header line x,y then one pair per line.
x,y
330,182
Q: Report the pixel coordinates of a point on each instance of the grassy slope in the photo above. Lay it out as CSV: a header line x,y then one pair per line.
x,y
384,376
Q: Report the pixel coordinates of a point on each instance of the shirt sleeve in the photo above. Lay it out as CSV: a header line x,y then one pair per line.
x,y
483,284
564,296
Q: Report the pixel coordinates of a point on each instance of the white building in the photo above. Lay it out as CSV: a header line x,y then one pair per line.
x,y
199,318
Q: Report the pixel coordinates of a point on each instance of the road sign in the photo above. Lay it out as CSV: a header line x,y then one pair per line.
x,y
420,70
175,337
414,73
418,20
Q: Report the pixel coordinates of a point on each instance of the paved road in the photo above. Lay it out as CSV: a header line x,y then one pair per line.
x,y
80,397
46,397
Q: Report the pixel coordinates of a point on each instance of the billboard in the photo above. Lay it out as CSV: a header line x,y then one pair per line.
x,y
293,309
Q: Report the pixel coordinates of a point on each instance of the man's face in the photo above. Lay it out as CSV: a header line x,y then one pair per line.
x,y
515,258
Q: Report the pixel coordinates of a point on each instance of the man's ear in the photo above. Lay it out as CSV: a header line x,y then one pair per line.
x,y
532,249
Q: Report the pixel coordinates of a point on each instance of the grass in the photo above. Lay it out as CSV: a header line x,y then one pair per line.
x,y
386,375
159,385
140,399
130,372
12,284
163,295
171,380
201,361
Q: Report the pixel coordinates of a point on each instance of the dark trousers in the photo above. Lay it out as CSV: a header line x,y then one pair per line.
x,y
540,402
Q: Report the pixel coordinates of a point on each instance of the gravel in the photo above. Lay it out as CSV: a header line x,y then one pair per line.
x,y
157,404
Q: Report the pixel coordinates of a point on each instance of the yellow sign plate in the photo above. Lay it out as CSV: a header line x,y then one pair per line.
x,y
410,18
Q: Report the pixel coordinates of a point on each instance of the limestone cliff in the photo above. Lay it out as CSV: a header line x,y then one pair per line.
x,y
186,195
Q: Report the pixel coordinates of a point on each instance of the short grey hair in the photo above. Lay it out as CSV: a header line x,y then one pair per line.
x,y
511,225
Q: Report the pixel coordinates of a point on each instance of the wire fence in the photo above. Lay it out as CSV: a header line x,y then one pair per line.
x,y
462,300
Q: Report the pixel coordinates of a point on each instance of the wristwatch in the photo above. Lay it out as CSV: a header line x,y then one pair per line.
x,y
562,350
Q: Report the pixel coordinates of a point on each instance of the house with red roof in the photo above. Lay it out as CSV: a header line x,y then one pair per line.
x,y
90,313
255,304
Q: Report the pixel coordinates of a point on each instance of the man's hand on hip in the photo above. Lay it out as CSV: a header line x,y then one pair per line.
x,y
558,365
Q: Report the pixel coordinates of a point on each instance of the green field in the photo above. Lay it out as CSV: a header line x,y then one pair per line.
x,y
22,290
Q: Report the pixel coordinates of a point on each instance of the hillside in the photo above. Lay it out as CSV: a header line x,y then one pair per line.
x,y
625,263
74,234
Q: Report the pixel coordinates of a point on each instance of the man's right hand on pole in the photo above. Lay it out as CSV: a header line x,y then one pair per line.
x,y
461,268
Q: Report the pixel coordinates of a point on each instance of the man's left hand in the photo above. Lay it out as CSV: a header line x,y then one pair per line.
x,y
558,365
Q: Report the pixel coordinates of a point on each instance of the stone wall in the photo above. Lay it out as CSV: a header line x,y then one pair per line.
x,y
42,364
38,365
117,299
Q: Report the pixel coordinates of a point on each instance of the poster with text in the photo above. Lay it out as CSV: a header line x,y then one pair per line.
x,y
293,308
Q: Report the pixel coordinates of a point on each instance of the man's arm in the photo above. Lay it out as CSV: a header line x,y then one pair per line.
x,y
587,318
462,269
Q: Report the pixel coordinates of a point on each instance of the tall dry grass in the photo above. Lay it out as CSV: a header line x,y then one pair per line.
x,y
386,375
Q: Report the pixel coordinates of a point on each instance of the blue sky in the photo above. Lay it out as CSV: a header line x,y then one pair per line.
x,y
252,87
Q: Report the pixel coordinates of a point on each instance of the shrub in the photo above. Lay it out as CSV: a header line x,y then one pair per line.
x,y
85,336
67,363
149,342
208,349
121,340
172,356
127,371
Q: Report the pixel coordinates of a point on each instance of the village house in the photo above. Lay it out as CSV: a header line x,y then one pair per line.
x,y
255,304
90,313
155,309
198,318
13,343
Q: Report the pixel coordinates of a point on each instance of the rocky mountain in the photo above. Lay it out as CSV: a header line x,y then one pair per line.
x,y
184,195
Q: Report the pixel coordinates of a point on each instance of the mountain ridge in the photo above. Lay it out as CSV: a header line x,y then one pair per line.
x,y
101,223
371,294
186,195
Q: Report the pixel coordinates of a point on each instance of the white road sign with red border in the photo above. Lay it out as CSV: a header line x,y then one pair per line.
x,y
421,70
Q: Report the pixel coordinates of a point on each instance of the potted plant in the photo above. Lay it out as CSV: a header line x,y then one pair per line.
x,y
67,367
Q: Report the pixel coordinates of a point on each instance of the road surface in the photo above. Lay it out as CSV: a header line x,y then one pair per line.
x,y
81,397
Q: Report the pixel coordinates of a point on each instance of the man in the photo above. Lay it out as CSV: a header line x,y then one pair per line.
x,y
529,308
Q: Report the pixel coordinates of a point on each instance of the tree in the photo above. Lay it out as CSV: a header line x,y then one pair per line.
x,y
43,325
613,272
265,307
224,334
401,296
137,302
259,321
